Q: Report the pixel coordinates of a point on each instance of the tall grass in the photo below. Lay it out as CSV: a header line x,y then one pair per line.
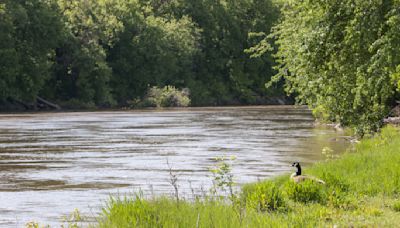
x,y
362,189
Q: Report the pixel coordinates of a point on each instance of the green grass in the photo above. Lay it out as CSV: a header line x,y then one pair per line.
x,y
362,189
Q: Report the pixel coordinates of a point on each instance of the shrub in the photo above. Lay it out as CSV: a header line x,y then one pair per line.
x,y
264,197
396,206
223,177
167,96
306,192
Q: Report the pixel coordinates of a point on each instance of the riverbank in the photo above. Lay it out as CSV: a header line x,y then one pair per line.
x,y
42,105
362,189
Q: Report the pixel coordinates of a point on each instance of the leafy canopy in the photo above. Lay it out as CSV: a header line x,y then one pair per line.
x,y
342,58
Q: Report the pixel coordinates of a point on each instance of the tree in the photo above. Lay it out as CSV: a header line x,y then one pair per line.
x,y
341,58
91,53
223,73
28,35
81,73
151,51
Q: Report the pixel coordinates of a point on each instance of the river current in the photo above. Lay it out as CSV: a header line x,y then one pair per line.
x,y
52,163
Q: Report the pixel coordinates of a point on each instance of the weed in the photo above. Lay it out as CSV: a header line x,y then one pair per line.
x,y
34,225
329,154
264,196
396,206
306,192
173,180
223,177
73,219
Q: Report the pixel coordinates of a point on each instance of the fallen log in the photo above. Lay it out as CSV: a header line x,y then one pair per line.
x,y
48,103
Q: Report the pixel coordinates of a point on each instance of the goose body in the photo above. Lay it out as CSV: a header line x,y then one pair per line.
x,y
297,177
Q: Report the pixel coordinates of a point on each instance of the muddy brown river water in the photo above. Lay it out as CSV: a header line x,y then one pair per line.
x,y
52,163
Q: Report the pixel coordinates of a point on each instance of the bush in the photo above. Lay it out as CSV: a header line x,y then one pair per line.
x,y
168,96
264,197
396,206
306,192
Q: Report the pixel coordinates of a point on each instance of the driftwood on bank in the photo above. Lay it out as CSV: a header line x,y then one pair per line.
x,y
48,103
18,105
392,120
394,116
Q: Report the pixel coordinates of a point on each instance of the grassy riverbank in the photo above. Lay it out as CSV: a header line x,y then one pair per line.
x,y
362,189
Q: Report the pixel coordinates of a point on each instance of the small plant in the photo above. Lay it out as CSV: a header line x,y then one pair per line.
x,y
173,180
73,219
373,211
223,177
264,197
329,153
305,192
35,225
396,206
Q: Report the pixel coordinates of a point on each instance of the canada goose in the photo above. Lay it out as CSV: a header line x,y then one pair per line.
x,y
297,177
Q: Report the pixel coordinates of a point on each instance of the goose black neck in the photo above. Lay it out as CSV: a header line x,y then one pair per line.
x,y
298,171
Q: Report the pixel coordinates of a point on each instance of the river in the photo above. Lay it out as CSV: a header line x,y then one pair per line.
x,y
52,163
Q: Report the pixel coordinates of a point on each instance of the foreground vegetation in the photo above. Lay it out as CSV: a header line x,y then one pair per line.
x,y
362,189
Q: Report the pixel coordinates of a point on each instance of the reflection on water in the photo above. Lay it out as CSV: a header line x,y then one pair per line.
x,y
51,163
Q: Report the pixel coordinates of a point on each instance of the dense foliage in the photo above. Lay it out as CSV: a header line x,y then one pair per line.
x,y
29,33
102,53
341,57
222,71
